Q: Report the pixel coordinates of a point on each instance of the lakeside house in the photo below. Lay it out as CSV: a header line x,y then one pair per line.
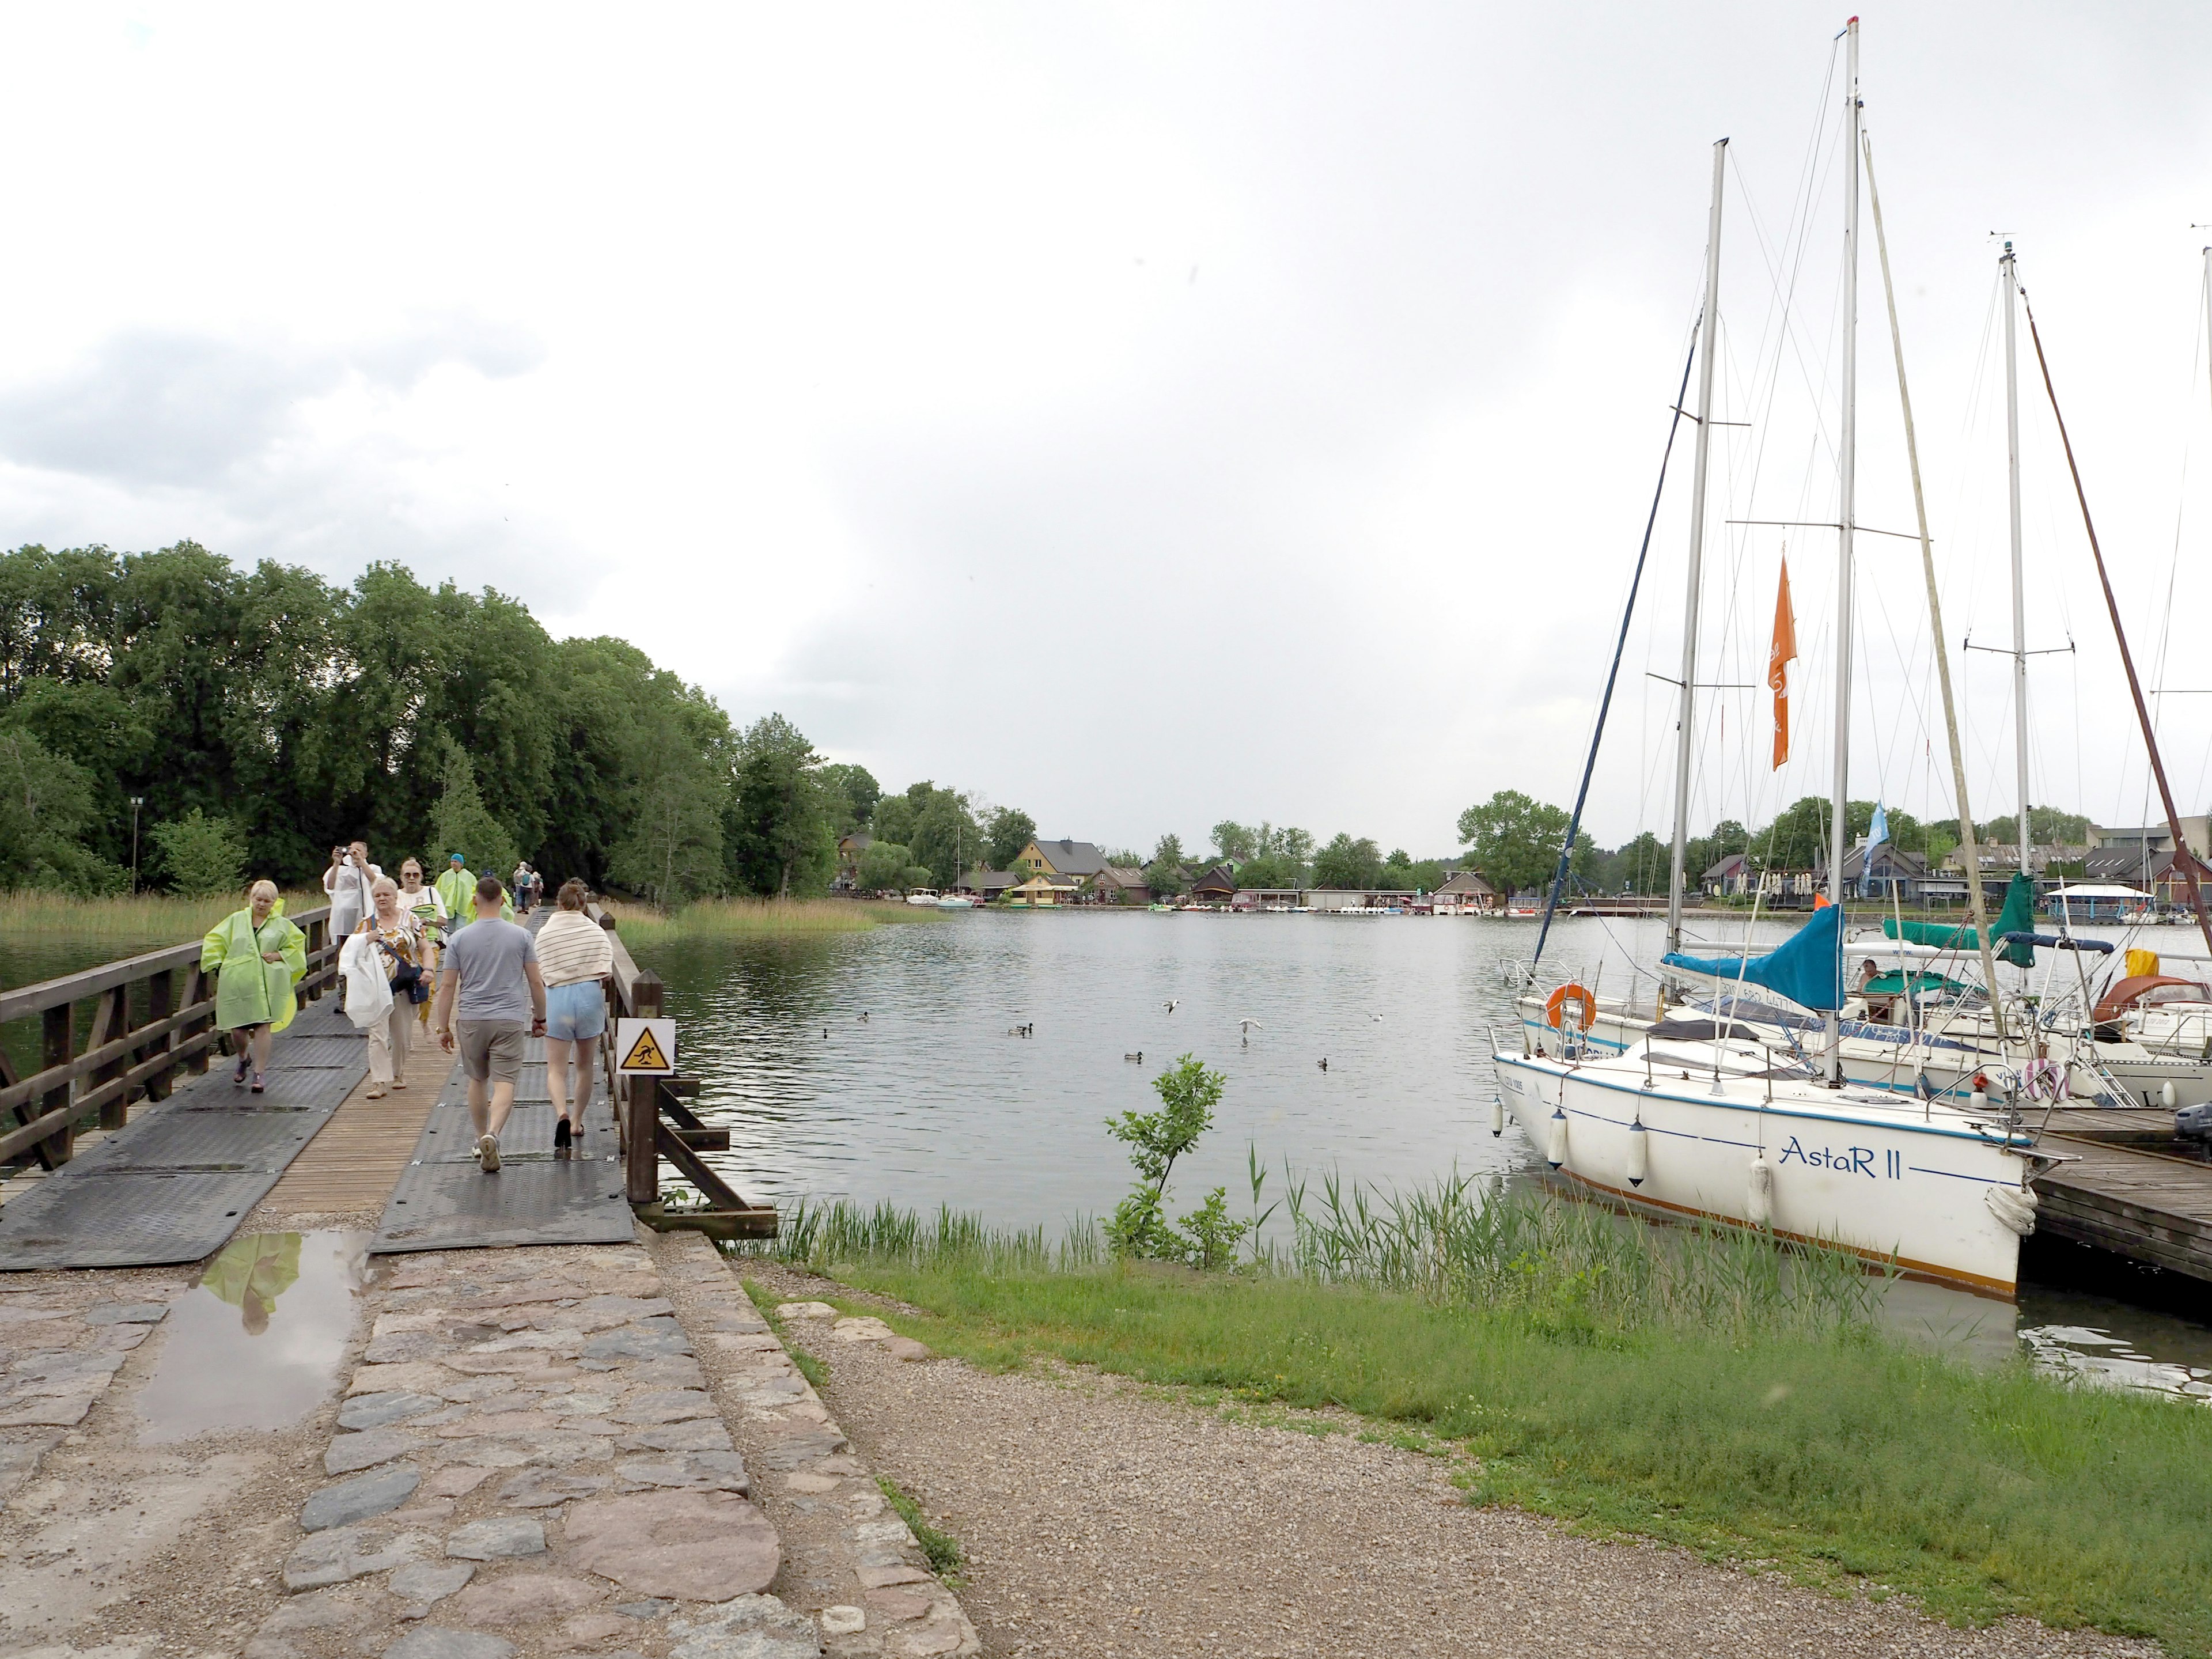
x,y
1465,893
849,848
985,884
1351,898
1265,898
1042,891
1216,886
1120,884
1886,871
1077,861
2144,857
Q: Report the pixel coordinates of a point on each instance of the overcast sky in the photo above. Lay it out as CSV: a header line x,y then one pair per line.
x,y
1147,415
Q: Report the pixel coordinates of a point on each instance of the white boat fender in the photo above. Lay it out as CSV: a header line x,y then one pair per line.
x,y
1639,1152
2165,1095
1761,1208
1555,1148
1497,1115
2013,1206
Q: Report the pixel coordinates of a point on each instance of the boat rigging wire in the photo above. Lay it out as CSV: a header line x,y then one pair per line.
x,y
1605,704
2184,857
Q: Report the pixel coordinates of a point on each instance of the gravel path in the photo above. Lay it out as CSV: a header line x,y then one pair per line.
x,y
1101,1518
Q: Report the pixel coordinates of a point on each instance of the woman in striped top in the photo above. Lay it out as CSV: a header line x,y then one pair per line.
x,y
575,956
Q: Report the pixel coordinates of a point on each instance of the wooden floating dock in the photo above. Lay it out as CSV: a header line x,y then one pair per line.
x,y
2131,1189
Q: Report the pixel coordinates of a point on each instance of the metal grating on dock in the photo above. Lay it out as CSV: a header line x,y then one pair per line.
x,y
443,1201
174,1183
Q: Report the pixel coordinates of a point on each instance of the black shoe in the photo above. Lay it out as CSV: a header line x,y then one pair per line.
x,y
561,1134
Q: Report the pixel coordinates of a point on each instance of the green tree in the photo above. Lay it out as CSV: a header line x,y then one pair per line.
x,y
1166,874
853,792
780,837
673,852
201,855
1010,830
1188,1092
1515,840
883,864
2045,825
460,822
1233,840
44,801
1643,865
1348,863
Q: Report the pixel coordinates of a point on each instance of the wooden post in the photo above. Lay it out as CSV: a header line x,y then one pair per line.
x,y
59,1032
642,1105
161,993
195,993
318,934
109,1020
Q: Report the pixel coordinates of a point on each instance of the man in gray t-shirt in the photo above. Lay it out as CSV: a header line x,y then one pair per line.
x,y
490,997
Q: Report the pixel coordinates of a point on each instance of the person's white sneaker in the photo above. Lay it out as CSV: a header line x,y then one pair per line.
x,y
488,1153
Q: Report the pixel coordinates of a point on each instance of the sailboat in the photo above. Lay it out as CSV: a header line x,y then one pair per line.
x,y
1929,1034
1699,1114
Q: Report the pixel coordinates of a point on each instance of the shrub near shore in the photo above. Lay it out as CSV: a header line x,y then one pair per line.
x,y
1702,1389
744,918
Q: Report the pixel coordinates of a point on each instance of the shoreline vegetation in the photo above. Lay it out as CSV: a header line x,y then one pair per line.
x,y
134,921
1700,1387
728,918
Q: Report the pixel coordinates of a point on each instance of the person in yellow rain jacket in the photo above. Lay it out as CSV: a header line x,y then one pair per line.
x,y
261,956
251,1272
458,887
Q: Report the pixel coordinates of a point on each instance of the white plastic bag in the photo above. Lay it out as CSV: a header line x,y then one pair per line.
x,y
368,992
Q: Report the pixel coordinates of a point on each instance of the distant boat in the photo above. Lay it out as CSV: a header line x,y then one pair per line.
x,y
955,901
922,895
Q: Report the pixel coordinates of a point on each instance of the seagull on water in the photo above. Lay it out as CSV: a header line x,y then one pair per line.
x,y
1172,1005
1250,1025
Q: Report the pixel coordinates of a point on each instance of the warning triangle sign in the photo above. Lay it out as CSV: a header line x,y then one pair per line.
x,y
645,1054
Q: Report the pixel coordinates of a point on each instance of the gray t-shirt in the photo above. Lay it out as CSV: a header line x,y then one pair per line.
x,y
489,957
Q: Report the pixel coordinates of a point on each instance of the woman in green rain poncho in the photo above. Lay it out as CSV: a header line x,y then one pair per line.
x,y
262,956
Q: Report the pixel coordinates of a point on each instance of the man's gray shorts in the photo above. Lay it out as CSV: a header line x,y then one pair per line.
x,y
491,1049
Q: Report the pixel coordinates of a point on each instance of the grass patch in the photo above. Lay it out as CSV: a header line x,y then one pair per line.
x,y
1628,1380
941,1548
133,921
760,918
816,1373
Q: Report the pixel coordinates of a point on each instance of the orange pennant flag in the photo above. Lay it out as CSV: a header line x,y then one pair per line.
x,y
1779,656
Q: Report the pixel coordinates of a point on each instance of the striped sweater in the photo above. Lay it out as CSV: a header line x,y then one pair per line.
x,y
572,946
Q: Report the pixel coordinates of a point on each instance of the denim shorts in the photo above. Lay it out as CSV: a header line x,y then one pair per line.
x,y
576,1013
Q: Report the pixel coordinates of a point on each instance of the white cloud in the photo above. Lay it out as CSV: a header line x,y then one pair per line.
x,y
1145,416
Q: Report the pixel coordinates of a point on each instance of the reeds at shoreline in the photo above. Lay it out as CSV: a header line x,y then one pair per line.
x,y
726,918
144,919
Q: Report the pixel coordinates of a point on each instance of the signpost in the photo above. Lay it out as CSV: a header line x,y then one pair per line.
x,y
645,1047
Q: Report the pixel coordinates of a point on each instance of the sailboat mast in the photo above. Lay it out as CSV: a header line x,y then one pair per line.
x,y
2018,586
1840,815
1685,726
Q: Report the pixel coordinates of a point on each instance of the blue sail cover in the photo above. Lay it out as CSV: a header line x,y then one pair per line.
x,y
1808,966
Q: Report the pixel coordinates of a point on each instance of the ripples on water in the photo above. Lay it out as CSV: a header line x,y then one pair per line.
x,y
880,1066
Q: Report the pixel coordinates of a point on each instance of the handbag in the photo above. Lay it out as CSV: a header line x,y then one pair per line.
x,y
406,975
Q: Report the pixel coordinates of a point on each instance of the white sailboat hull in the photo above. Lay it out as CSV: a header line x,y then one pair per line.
x,y
1851,1169
1896,1066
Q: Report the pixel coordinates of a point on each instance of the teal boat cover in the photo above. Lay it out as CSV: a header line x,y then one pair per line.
x,y
2018,916
1808,966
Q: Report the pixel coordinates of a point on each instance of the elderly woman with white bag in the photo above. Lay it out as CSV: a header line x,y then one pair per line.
x,y
382,970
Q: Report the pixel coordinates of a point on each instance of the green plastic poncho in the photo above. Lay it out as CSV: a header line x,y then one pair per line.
x,y
252,992
251,1272
458,889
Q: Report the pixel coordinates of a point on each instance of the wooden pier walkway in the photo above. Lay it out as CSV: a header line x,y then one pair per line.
x,y
169,1177
2131,1187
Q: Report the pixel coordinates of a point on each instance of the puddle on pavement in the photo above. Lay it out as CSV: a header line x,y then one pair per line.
x,y
256,1344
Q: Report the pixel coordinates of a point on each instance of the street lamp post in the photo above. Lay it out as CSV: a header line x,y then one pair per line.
x,y
136,801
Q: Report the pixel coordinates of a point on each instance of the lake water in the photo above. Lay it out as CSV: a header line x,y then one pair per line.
x,y
886,1067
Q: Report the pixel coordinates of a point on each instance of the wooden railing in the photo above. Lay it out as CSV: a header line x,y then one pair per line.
x,y
143,1033
654,1123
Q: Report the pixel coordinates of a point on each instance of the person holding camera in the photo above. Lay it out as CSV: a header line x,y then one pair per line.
x,y
348,881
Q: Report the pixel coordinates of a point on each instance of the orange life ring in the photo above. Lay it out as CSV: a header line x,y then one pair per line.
x,y
1555,1007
